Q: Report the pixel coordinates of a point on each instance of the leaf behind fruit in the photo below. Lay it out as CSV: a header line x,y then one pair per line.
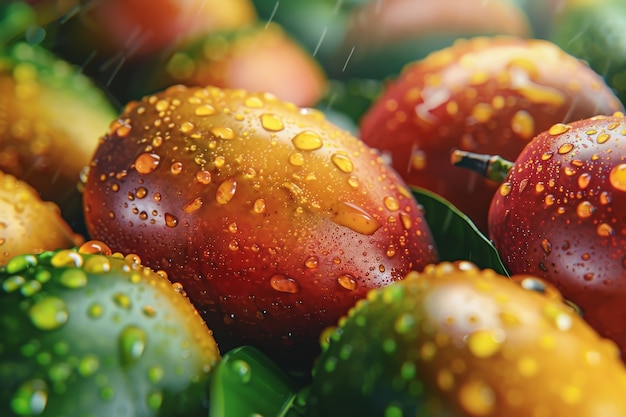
x,y
456,236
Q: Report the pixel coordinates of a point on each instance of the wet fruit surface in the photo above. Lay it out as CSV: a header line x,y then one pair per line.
x,y
462,342
486,95
29,224
560,215
51,116
86,332
274,220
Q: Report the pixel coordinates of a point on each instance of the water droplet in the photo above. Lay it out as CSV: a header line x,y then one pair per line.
x,y
404,323
343,162
186,127
242,370
161,105
48,313
285,284
549,200
88,365
485,343
147,163
176,168
154,400
205,110
353,181
312,262
477,398
73,278
546,246
307,141
418,159
605,198
540,187
132,343
170,220
67,258
223,132
407,221
617,177
13,283
605,230
254,102
558,129
584,180
272,122
155,374
30,398
585,209
505,189
259,206
347,281
603,138
226,191
296,159
95,310
565,148
523,124
391,203
569,171
122,300
354,217
193,205
141,192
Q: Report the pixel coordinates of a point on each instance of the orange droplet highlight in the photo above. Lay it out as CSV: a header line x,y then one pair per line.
x,y
558,129
347,281
226,191
354,217
285,284
147,163
617,177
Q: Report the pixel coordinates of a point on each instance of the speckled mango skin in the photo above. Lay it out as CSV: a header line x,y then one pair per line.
x,y
275,220
486,95
457,341
560,215
90,332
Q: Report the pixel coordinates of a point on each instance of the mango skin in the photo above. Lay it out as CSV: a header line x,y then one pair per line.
x,y
457,341
275,220
90,332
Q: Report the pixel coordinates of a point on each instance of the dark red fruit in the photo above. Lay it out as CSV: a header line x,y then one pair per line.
x,y
561,215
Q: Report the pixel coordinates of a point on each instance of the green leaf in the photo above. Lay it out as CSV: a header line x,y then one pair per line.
x,y
456,236
247,383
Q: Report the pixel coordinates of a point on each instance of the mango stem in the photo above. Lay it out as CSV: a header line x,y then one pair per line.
x,y
493,167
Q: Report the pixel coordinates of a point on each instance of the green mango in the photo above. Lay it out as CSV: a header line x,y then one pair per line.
x,y
90,333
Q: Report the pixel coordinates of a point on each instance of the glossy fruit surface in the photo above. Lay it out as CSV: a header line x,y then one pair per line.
x,y
457,341
51,118
27,223
486,95
275,220
560,215
87,332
